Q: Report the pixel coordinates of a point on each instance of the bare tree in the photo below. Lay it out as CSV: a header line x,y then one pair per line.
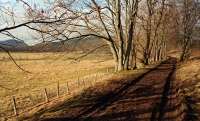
x,y
9,23
189,19
111,20
151,19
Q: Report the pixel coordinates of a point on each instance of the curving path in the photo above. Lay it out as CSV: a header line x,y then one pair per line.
x,y
152,96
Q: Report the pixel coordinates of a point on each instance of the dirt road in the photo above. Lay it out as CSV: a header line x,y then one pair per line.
x,y
152,96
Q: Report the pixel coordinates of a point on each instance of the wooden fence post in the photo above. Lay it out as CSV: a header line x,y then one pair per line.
x,y
84,85
96,77
100,77
68,91
78,82
46,96
58,89
91,83
107,70
14,106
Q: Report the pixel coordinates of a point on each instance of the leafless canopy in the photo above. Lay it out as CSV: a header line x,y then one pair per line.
x,y
133,29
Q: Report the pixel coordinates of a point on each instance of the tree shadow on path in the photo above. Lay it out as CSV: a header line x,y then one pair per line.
x,y
141,99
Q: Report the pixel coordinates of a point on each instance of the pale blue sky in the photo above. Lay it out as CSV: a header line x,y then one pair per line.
x,y
18,9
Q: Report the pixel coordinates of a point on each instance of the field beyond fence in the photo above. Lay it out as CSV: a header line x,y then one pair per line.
x,y
53,75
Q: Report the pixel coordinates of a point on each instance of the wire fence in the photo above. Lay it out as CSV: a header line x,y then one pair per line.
x,y
21,103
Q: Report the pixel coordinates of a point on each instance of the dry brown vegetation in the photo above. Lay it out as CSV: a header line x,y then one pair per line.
x,y
188,74
101,88
137,33
46,70
114,100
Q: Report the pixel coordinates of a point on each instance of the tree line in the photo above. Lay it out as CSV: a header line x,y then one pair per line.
x,y
136,31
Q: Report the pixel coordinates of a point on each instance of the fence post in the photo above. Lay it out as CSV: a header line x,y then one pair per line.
x,y
58,89
78,79
107,70
96,77
46,96
14,106
68,91
84,86
78,82
100,77
91,83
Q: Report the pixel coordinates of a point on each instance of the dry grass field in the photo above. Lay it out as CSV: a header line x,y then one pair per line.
x,y
188,74
46,70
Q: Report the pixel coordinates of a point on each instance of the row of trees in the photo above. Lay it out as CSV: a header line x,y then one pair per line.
x,y
135,30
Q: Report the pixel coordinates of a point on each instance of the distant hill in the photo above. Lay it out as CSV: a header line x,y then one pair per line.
x,y
85,44
14,45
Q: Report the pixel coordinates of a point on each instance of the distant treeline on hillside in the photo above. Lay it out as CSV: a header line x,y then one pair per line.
x,y
86,44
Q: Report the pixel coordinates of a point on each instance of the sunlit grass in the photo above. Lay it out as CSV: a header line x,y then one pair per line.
x,y
46,70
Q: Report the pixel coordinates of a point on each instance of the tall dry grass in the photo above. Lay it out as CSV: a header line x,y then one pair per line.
x,y
46,70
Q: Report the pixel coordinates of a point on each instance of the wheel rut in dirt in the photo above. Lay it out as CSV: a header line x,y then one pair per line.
x,y
150,97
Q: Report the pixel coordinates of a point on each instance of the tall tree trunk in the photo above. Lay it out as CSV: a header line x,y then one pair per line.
x,y
120,57
130,45
130,26
134,56
120,37
186,50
